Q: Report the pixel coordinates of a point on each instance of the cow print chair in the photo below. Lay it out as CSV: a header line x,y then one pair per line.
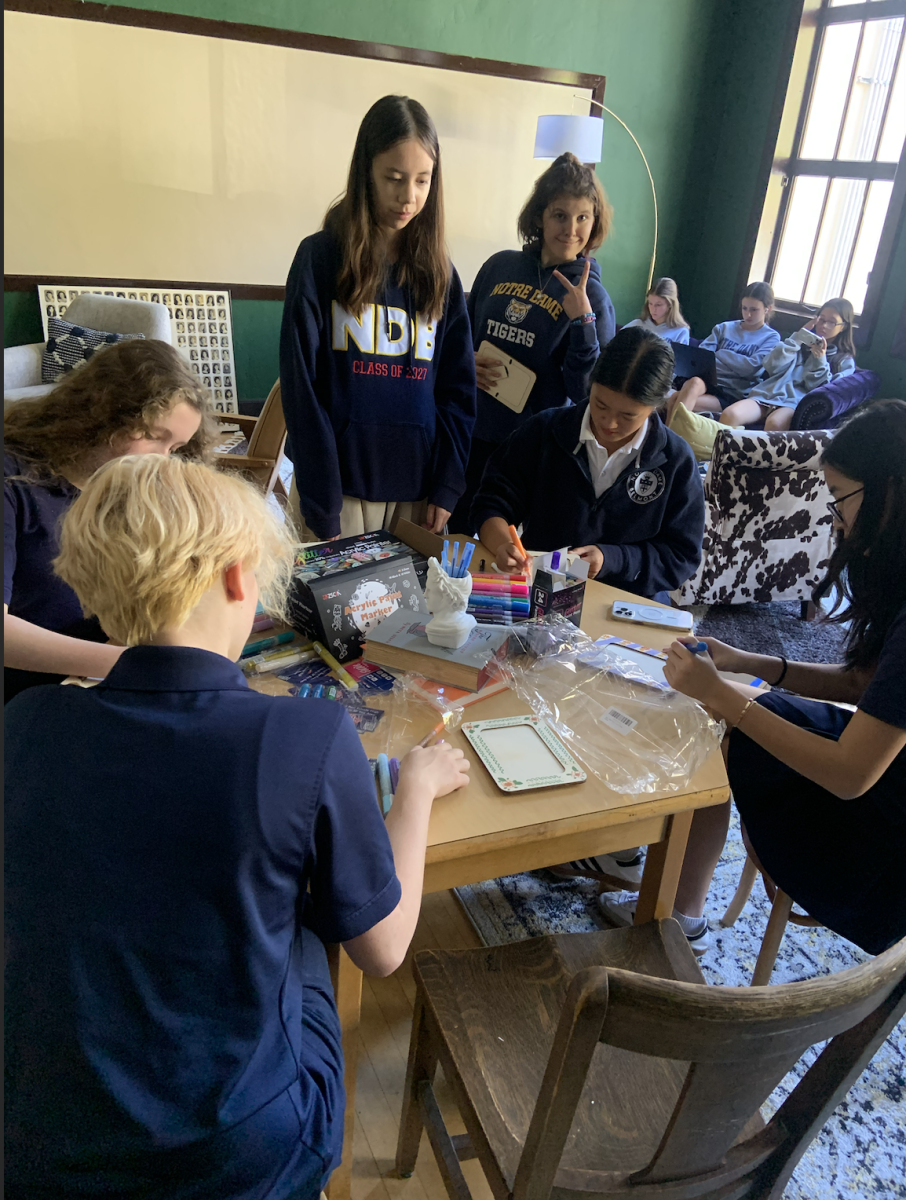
x,y
768,532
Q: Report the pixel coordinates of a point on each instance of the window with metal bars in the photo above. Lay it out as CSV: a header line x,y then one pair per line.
x,y
835,205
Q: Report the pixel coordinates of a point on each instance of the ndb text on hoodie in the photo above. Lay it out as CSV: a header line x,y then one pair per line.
x,y
517,304
379,405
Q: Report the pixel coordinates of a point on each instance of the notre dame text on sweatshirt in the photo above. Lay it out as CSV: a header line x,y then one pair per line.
x,y
379,405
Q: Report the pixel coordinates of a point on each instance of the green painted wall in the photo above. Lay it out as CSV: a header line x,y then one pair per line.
x,y
693,79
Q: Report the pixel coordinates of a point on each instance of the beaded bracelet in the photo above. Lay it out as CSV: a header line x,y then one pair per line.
x,y
585,319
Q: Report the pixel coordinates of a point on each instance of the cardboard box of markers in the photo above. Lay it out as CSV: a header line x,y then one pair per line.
x,y
343,589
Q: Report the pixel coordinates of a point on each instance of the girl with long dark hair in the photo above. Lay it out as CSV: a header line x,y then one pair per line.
x,y
821,790
376,362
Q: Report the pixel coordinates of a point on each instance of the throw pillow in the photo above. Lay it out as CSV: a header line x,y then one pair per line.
x,y
697,429
69,346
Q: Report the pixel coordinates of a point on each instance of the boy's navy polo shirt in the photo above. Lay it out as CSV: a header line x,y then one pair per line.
x,y
171,1029
648,524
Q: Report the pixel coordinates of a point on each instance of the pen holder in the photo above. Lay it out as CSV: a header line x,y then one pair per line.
x,y
446,599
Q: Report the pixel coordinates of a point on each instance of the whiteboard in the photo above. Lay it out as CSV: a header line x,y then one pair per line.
x,y
146,154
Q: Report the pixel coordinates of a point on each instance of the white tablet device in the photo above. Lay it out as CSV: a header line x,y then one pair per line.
x,y
514,388
652,614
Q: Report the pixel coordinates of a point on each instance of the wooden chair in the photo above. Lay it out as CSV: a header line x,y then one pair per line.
x,y
601,1065
781,913
267,438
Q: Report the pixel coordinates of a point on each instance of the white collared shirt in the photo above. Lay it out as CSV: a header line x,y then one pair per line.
x,y
606,467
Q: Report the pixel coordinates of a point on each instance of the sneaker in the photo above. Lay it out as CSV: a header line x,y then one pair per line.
x,y
605,869
618,908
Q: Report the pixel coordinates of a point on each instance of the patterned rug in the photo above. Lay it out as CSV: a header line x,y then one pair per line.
x,y
772,629
861,1151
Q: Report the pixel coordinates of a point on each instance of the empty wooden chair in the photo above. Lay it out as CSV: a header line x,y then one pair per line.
x,y
602,1065
781,913
267,438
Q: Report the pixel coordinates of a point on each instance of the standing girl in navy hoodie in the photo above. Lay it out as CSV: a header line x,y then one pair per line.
x,y
376,363
542,305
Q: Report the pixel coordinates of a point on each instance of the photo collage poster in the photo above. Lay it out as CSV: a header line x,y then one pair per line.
x,y
201,327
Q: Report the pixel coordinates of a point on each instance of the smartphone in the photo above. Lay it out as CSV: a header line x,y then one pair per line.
x,y
651,614
807,337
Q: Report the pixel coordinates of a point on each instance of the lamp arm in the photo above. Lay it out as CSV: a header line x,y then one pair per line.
x,y
598,104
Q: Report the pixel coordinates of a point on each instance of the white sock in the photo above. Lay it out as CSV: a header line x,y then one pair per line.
x,y
688,924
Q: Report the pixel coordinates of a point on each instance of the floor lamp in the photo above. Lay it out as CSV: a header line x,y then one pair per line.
x,y
584,137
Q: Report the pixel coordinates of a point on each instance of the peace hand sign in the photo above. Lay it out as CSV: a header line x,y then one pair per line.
x,y
575,302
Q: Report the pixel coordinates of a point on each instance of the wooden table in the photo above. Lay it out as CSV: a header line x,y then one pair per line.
x,y
481,833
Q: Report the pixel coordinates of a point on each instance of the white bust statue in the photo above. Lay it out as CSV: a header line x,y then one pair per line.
x,y
447,599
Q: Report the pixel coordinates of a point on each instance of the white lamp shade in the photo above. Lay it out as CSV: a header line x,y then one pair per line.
x,y
583,136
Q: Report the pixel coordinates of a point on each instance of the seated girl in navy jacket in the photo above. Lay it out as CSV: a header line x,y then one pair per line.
x,y
606,477
178,849
821,790
133,397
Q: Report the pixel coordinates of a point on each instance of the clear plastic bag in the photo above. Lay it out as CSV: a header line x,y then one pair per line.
x,y
408,716
634,734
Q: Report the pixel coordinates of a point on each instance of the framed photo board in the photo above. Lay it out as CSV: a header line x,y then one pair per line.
x,y
201,328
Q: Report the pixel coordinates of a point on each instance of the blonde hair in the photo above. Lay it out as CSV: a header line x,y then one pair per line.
x,y
666,289
150,534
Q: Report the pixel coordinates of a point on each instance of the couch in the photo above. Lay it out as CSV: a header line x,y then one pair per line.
x,y
768,532
22,364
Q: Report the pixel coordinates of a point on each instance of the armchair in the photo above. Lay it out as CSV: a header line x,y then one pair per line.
x,y
266,436
22,364
768,534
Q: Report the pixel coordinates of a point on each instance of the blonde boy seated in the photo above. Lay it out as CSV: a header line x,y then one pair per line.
x,y
179,849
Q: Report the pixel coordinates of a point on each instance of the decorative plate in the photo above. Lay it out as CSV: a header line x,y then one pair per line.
x,y
522,753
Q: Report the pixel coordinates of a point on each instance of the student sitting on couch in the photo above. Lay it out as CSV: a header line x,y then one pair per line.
x,y
178,850
605,477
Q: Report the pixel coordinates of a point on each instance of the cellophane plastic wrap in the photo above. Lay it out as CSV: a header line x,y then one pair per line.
x,y
408,717
635,734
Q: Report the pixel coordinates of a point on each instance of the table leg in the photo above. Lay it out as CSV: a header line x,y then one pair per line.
x,y
347,988
663,864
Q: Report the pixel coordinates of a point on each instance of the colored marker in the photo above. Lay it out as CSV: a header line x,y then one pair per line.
x,y
435,732
332,692
445,559
517,542
273,660
266,643
340,671
394,774
304,691
386,787
261,623
500,589
465,560
698,648
555,561
317,691
499,577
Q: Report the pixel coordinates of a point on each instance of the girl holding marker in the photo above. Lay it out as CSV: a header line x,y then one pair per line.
x,y
543,305
171,1028
662,314
821,791
132,397
376,362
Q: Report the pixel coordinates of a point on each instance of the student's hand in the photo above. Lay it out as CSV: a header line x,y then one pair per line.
x,y
439,769
724,657
576,302
488,370
509,558
437,518
593,556
810,325
819,349
694,675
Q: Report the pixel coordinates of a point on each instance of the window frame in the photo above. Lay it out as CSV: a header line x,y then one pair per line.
x,y
787,164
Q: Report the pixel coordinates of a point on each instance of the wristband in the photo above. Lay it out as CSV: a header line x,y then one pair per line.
x,y
782,673
584,319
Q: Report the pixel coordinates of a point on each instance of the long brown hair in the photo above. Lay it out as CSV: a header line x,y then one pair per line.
x,y
121,391
566,176
666,289
843,341
423,264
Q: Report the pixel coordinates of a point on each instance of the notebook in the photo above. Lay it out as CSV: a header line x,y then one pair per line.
x,y
514,388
